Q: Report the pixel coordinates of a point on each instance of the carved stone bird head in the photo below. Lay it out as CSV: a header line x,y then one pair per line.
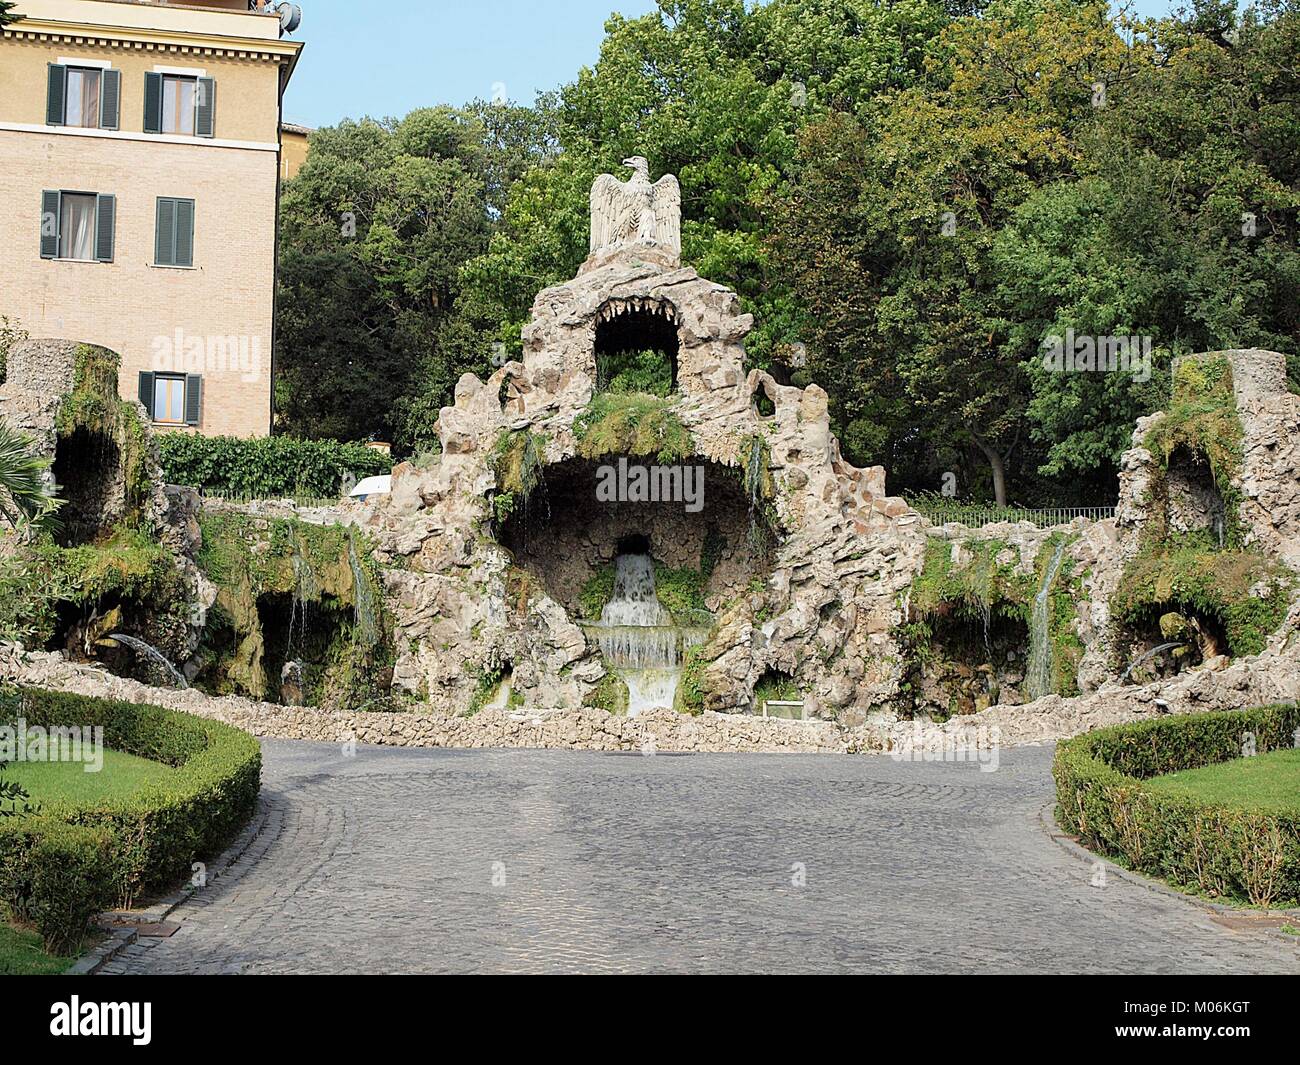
x,y
639,164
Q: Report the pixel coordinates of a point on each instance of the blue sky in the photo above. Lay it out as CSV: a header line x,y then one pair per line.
x,y
370,57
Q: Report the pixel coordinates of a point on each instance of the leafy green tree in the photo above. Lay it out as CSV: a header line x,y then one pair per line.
x,y
7,13
375,229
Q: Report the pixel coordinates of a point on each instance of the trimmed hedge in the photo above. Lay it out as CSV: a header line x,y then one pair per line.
x,y
266,467
64,864
1217,850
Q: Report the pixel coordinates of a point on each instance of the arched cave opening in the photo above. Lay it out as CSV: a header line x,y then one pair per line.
x,y
1193,502
86,468
1167,639
965,662
702,541
636,349
302,643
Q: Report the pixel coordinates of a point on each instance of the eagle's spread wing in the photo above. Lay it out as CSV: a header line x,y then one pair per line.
x,y
607,204
668,212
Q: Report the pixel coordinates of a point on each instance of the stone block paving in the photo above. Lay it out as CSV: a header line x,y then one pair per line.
x,y
401,860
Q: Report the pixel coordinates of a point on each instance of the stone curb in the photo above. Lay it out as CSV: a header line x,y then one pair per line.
x,y
92,961
122,937
1079,851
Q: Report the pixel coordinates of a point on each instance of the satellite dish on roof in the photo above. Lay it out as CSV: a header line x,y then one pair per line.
x,y
290,17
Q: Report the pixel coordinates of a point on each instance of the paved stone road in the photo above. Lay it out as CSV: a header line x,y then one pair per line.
x,y
527,861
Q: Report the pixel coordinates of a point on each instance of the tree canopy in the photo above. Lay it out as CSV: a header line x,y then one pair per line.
x,y
918,194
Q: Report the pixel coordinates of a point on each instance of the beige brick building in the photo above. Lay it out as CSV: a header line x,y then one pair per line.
x,y
140,153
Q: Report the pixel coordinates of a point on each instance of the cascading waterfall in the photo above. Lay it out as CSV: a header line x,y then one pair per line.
x,y
638,639
1038,678
153,655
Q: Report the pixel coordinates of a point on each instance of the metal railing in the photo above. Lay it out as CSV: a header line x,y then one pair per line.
x,y
975,516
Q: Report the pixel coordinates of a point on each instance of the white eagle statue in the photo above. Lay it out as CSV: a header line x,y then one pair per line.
x,y
636,211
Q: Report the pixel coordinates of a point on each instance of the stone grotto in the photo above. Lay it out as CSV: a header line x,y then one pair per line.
x,y
497,595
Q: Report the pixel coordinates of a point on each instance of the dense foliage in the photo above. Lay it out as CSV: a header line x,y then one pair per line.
x,y
1219,849
914,195
267,467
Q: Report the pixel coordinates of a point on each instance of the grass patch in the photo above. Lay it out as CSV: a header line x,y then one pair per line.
x,y
122,777
21,954
1268,782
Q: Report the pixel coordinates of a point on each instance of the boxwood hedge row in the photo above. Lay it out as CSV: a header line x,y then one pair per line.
x,y
64,864
1217,850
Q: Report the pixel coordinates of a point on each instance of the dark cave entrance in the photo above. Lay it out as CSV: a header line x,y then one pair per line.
x,y
302,641
967,662
636,349
1168,639
1193,502
86,468
567,538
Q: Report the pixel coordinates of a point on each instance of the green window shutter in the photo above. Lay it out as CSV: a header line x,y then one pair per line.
x,y
50,223
205,108
153,94
193,398
56,98
184,233
105,216
165,233
146,391
110,98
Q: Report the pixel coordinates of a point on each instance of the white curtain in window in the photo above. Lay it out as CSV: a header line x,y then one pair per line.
x,y
83,97
178,105
77,227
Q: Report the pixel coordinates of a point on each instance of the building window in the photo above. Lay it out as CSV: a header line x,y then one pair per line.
x,y
82,107
77,225
172,398
169,399
84,97
174,237
180,104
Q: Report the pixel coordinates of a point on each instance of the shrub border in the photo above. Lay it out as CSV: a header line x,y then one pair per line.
x,y
65,864
1216,850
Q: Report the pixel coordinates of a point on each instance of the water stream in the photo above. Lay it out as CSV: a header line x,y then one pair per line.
x,y
152,654
1038,676
1143,657
638,638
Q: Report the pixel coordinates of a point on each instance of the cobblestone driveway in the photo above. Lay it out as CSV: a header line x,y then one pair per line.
x,y
526,861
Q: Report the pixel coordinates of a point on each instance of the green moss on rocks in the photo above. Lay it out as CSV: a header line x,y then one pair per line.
x,y
1202,419
1245,591
681,593
610,694
631,424
319,567
974,587
94,407
596,592
125,566
516,460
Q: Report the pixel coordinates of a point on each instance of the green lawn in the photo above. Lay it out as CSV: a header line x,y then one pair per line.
x,y
1268,782
120,776
21,954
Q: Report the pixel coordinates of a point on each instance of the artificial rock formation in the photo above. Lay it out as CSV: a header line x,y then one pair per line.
x,y
796,569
